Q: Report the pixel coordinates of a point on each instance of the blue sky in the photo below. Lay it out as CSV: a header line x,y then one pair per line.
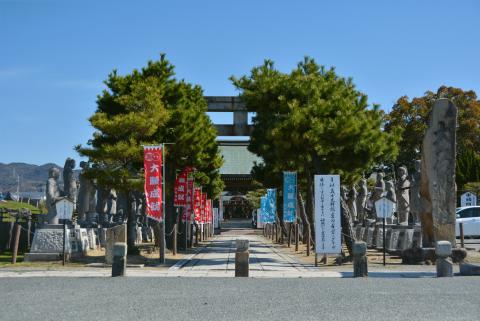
x,y
54,55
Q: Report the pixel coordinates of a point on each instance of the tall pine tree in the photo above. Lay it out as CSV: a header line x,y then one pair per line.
x,y
146,107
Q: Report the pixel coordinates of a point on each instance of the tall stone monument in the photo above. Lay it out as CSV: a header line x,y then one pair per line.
x,y
69,181
86,194
53,194
403,196
362,199
438,189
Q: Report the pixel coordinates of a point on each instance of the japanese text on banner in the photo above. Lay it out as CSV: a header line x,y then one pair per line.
x,y
289,196
152,164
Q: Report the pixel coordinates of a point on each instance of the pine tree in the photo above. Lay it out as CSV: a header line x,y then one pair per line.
x,y
147,107
312,121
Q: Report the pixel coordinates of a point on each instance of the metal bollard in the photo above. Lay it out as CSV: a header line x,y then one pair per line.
x,y
119,266
360,263
242,258
443,250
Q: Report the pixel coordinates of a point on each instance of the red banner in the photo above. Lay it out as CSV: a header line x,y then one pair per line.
x,y
188,212
197,203
152,164
203,208
209,210
180,189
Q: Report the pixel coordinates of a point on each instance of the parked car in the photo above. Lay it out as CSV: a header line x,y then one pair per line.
x,y
470,217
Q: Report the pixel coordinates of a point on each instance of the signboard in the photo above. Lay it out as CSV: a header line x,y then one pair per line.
x,y
64,209
468,199
289,196
152,164
328,226
384,208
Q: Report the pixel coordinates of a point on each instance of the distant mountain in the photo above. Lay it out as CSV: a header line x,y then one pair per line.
x,y
32,177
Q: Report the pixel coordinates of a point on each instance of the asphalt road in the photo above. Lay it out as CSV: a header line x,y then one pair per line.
x,y
214,299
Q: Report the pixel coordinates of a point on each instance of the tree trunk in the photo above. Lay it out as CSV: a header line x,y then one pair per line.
x,y
303,217
310,207
131,225
347,230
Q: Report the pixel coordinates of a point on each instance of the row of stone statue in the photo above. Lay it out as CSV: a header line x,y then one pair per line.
x,y
92,202
405,193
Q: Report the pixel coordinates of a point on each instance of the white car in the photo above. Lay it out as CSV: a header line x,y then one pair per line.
x,y
470,217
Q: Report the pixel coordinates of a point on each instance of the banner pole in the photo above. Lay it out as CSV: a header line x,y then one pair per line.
x,y
162,223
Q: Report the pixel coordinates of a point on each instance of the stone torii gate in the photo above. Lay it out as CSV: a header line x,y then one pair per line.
x,y
233,104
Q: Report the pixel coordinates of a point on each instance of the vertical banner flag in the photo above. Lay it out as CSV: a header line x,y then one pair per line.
x,y
188,213
180,189
289,196
197,203
328,225
203,208
152,164
264,209
208,208
272,204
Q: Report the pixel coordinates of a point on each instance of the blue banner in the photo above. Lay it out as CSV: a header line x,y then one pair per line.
x,y
263,210
272,204
289,196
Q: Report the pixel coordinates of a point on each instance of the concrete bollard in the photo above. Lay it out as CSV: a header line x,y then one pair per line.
x,y
443,250
360,265
119,266
241,258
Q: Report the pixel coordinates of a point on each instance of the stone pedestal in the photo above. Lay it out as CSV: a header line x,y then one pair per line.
x,y
119,266
443,250
242,258
47,244
360,264
116,234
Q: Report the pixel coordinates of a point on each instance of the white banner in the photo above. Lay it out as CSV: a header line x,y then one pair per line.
x,y
328,225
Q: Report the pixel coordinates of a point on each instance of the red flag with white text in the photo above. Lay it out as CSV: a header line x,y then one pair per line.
x,y
152,164
180,189
197,203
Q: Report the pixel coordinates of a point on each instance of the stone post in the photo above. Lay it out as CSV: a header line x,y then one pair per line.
x,y
119,266
241,258
360,265
443,250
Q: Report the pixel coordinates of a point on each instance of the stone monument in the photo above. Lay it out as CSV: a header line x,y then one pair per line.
x,y
352,202
438,189
53,194
403,197
378,191
86,194
415,203
362,199
69,181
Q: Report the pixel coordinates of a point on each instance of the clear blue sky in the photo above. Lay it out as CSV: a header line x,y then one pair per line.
x,y
54,55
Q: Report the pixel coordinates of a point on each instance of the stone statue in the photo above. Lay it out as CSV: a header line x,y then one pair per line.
x,y
352,202
86,194
69,181
362,200
438,189
403,196
101,206
53,194
390,191
112,205
415,203
378,191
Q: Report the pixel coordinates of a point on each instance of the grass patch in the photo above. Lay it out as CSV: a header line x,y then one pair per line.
x,y
13,205
6,258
